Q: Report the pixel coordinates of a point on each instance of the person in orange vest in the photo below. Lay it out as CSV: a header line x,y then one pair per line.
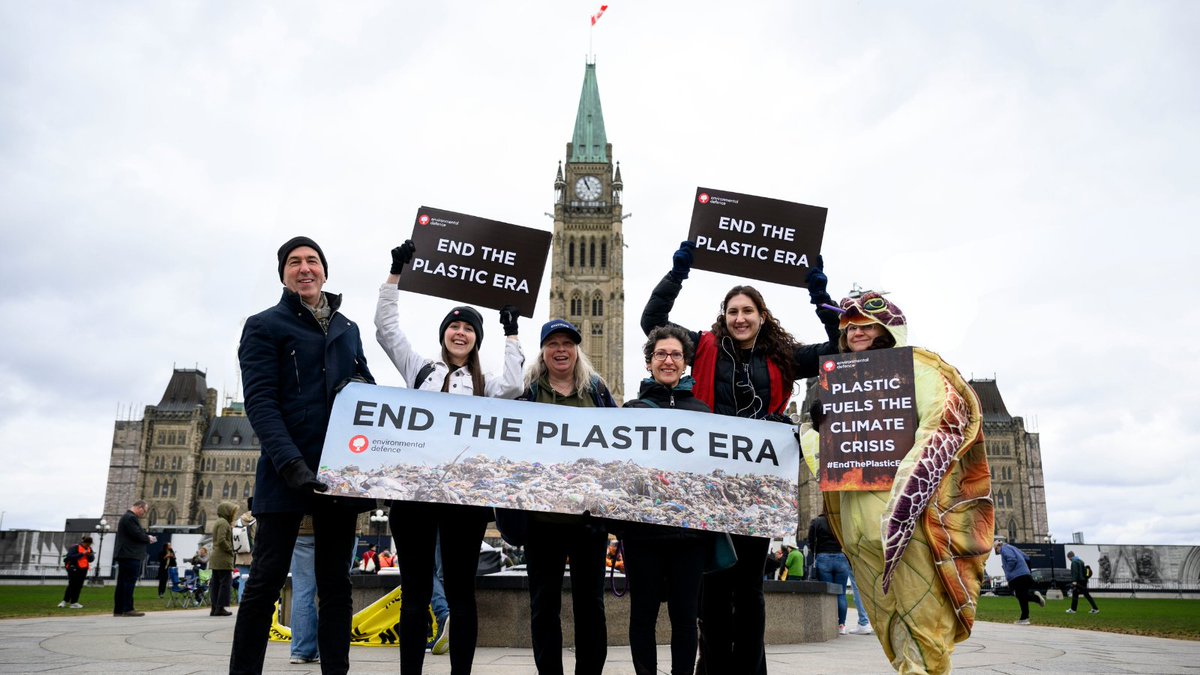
x,y
77,560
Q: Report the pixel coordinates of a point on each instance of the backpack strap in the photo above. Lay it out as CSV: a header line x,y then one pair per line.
x,y
422,375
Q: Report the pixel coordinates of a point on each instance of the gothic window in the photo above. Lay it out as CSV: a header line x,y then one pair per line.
x,y
225,490
171,438
174,488
1012,530
571,254
592,254
228,464
233,491
237,464
246,489
203,519
156,488
597,305
598,329
153,517
183,438
162,438
209,495
171,516
604,254
576,304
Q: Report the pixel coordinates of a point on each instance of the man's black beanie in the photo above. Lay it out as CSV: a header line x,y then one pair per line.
x,y
295,243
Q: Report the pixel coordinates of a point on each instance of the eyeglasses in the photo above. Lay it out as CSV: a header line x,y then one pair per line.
x,y
663,356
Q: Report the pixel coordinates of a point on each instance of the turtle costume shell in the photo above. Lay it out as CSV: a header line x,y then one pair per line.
x,y
918,550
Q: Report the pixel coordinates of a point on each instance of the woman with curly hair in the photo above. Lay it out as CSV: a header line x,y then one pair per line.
x,y
744,367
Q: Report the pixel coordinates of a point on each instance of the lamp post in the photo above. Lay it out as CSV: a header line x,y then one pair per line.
x,y
377,520
101,527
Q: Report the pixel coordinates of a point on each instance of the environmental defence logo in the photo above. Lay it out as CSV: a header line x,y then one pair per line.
x,y
703,198
359,444
829,366
423,219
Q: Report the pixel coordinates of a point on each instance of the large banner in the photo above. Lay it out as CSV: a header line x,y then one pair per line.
x,y
676,467
476,260
869,402
759,237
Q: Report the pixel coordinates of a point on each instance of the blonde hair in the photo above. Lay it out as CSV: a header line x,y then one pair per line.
x,y
585,373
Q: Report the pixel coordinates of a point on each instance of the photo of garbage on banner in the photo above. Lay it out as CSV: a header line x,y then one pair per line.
x,y
685,469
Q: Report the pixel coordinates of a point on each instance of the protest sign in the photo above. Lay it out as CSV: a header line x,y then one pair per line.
x,y
756,237
476,260
685,469
869,402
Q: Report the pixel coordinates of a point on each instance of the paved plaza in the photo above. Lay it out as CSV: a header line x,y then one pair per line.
x,y
187,641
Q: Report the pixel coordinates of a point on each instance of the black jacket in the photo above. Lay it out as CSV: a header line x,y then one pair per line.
x,y
820,537
131,538
654,395
805,358
290,367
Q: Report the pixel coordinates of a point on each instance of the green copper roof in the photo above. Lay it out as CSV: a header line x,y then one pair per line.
x,y
589,141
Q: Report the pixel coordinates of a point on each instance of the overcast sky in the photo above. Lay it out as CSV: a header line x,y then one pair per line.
x,y
1021,176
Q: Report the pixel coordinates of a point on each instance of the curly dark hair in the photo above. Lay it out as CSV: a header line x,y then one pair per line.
x,y
665,333
776,343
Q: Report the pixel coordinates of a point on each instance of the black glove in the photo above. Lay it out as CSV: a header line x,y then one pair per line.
x,y
298,476
342,385
508,319
817,283
817,415
682,261
402,255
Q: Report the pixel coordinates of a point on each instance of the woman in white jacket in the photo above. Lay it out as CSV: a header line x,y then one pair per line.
x,y
420,525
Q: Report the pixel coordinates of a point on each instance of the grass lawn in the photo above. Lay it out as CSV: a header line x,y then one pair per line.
x,y
1161,618
30,601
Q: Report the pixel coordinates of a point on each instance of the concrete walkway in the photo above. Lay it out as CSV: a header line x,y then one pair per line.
x,y
190,641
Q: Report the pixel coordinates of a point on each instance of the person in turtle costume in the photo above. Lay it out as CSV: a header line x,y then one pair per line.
x,y
917,550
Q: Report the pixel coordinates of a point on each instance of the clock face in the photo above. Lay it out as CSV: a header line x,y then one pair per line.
x,y
588,188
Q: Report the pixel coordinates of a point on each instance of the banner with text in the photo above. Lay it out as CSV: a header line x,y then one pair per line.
x,y
869,402
685,469
476,260
757,237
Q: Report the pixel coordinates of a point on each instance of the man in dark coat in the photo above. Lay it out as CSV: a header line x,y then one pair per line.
x,y
131,551
293,358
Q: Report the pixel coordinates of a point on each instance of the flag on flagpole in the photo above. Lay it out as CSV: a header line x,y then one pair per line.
x,y
599,14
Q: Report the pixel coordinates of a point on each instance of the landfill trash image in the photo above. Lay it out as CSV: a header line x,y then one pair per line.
x,y
741,504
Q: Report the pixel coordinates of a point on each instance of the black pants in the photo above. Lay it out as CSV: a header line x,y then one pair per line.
x,y
654,567
222,581
733,612
1021,587
547,548
418,527
333,535
1080,588
162,581
128,571
75,579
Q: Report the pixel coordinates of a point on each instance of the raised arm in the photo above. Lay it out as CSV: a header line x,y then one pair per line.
x,y
511,380
662,298
806,358
387,319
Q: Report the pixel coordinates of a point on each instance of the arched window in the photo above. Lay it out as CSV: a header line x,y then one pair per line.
x,y
155,488
174,487
246,490
171,516
592,254
233,491
202,519
210,491
604,254
225,490
571,253
1012,530
597,305
153,518
576,304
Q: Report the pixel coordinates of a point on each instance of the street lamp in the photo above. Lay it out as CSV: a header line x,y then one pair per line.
x,y
101,527
377,520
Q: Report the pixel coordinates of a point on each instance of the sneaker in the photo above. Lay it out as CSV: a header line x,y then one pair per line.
x,y
862,630
62,604
75,605
1070,611
1041,599
442,644
304,659
841,629
1094,611
1022,622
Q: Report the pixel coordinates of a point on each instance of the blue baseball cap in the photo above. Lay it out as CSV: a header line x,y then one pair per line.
x,y
560,326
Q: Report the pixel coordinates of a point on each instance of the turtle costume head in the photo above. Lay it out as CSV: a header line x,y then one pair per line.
x,y
872,307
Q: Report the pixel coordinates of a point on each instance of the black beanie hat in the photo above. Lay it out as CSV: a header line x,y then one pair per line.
x,y
467,314
295,243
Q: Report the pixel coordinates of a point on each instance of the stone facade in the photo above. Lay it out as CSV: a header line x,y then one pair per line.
x,y
1015,457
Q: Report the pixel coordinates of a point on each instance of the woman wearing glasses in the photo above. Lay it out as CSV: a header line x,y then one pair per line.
x,y
920,579
745,365
662,560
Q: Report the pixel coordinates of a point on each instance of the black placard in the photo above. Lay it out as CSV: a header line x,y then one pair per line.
x,y
869,402
476,260
757,237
